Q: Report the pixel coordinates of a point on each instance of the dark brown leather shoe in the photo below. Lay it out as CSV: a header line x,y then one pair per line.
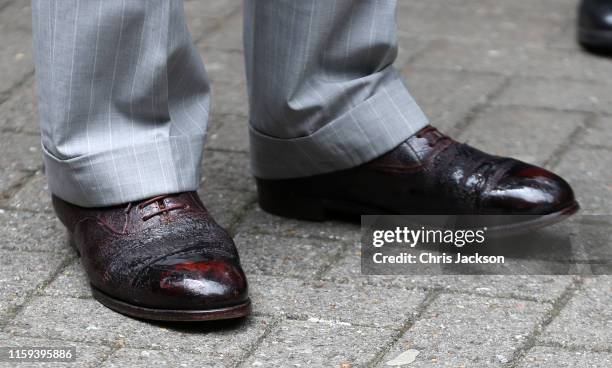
x,y
164,258
427,174
595,25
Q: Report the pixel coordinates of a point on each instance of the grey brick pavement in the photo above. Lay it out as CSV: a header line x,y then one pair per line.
x,y
477,67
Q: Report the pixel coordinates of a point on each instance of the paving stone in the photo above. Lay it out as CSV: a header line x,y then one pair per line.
x,y
9,178
545,8
16,16
547,357
348,267
19,113
136,358
511,59
409,46
86,355
537,287
212,8
221,341
542,288
515,21
536,147
446,97
586,320
587,170
566,38
228,37
229,132
226,205
223,66
226,170
20,152
319,344
351,303
32,231
19,155
557,94
71,282
470,331
204,17
257,221
71,319
16,52
270,255
229,98
33,196
600,133
591,239
21,274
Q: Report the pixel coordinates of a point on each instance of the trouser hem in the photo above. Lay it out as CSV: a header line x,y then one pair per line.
x,y
125,174
365,132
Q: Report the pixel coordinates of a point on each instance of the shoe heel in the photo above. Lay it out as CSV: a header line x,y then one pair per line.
x,y
277,197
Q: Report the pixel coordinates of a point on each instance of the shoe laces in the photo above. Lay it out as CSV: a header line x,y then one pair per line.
x,y
432,135
162,208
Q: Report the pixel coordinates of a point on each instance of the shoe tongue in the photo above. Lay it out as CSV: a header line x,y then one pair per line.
x,y
430,133
180,199
166,200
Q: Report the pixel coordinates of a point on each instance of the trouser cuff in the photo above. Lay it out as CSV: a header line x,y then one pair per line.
x,y
365,132
126,174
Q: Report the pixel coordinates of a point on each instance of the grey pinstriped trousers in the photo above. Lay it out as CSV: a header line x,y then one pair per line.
x,y
124,97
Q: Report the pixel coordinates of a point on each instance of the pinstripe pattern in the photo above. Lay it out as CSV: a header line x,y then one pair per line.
x,y
326,97
124,97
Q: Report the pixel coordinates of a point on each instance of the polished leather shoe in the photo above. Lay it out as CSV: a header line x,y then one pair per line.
x,y
428,174
164,258
595,25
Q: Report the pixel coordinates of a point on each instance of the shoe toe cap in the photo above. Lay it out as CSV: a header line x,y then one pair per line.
x,y
530,190
194,282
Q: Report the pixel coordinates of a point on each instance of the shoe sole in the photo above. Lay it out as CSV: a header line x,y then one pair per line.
x,y
277,201
171,315
596,41
535,223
